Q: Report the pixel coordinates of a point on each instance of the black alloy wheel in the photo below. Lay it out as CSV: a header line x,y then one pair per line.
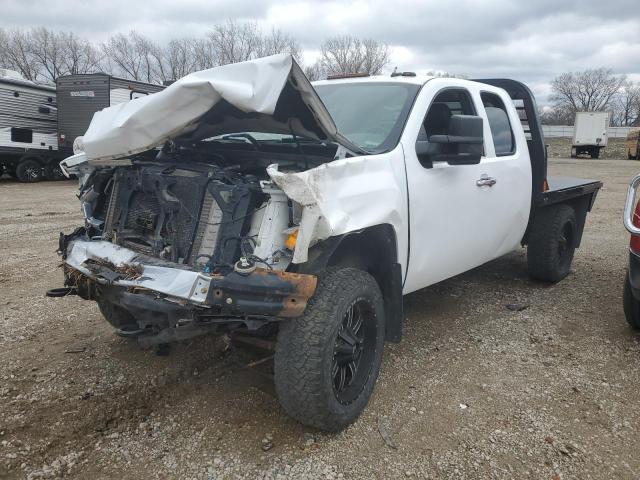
x,y
353,351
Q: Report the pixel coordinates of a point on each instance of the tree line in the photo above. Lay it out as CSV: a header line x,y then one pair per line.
x,y
42,55
594,90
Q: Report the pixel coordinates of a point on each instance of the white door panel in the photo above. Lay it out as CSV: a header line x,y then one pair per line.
x,y
456,225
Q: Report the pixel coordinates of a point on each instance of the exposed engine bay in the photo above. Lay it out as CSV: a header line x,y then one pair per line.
x,y
181,207
192,236
203,217
213,204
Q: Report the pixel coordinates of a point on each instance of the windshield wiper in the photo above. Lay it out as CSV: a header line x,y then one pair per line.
x,y
244,136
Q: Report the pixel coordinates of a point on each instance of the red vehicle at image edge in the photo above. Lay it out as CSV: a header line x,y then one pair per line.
x,y
631,294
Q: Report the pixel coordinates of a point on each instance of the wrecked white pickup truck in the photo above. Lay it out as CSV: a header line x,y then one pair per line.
x,y
241,199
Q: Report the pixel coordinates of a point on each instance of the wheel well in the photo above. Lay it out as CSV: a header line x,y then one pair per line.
x,y
580,205
37,158
374,250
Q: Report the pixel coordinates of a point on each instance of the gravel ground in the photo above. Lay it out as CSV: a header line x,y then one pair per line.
x,y
475,389
560,147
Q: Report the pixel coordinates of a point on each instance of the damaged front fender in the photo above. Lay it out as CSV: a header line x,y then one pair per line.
x,y
347,195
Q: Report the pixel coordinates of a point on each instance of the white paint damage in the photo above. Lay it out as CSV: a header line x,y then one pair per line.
x,y
177,283
345,196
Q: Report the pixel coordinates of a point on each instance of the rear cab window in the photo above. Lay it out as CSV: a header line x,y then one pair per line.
x,y
504,141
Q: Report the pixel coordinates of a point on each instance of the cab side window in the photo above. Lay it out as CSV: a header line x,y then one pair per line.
x,y
454,101
503,139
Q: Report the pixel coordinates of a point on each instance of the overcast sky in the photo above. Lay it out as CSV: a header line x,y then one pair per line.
x,y
530,40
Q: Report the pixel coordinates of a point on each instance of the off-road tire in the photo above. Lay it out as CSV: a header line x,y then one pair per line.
x,y
548,260
305,351
29,171
630,305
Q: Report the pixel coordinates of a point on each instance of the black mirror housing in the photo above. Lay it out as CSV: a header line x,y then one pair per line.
x,y
464,145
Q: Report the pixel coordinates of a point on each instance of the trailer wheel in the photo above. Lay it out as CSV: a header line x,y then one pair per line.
x,y
552,243
327,361
630,305
595,153
11,171
29,170
574,152
53,171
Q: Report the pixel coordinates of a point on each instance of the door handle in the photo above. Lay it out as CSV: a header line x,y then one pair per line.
x,y
486,181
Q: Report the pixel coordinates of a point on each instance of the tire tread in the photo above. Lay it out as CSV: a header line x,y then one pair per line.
x,y
301,351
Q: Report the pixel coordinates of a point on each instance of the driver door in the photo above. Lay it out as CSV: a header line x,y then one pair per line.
x,y
454,224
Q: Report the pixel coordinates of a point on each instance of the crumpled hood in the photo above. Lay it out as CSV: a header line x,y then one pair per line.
x,y
269,94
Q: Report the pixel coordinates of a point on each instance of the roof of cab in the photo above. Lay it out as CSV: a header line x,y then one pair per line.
x,y
414,80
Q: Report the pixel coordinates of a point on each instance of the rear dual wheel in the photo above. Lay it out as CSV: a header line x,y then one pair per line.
x,y
328,360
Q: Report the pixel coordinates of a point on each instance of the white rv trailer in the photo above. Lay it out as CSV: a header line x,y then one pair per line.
x,y
28,128
82,95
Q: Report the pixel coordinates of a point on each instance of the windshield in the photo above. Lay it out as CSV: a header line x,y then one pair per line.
x,y
371,115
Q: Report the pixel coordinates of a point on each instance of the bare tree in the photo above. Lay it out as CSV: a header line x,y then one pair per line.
x,y
204,55
135,57
556,116
277,42
180,58
348,54
375,56
79,56
591,90
16,53
315,72
43,55
626,106
46,47
234,41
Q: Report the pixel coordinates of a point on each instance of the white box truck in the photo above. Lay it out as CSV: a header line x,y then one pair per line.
x,y
589,133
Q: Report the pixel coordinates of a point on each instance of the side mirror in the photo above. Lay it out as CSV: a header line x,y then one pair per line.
x,y
462,146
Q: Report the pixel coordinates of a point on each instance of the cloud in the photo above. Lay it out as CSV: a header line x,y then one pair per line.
x,y
531,41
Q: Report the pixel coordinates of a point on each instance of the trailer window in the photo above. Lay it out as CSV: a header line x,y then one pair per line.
x,y
22,135
503,139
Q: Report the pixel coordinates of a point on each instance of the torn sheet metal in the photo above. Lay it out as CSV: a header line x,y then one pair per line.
x,y
252,87
177,283
345,196
263,292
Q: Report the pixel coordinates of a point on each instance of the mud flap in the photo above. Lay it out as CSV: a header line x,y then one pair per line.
x,y
394,311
